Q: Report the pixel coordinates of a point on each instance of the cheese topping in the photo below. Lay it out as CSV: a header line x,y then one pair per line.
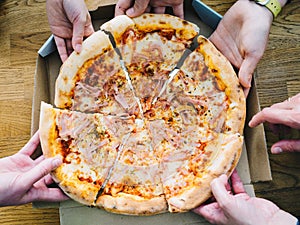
x,y
129,134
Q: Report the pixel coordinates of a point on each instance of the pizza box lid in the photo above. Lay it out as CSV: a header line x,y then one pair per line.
x,y
253,165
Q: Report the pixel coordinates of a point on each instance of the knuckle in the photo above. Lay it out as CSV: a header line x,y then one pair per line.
x,y
265,111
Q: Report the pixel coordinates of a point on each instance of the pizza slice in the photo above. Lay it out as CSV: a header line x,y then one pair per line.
x,y
93,81
206,72
150,46
187,180
134,186
88,145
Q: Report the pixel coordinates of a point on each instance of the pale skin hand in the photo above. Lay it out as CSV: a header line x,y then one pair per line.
x,y
286,113
242,36
24,180
241,209
133,8
69,22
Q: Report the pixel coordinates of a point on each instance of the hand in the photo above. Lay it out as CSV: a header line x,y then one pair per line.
x,y
69,22
24,180
240,209
135,8
242,37
274,115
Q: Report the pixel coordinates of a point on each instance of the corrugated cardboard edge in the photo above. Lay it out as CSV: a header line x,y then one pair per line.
x,y
258,150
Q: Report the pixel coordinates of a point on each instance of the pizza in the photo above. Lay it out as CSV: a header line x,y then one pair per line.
x,y
143,127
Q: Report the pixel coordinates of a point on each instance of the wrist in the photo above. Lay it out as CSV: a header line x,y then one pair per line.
x,y
282,218
264,12
274,6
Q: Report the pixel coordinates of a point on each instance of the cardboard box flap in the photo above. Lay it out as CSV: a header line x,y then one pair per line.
x,y
255,141
93,216
48,47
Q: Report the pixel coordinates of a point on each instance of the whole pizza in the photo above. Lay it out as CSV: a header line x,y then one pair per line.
x,y
142,126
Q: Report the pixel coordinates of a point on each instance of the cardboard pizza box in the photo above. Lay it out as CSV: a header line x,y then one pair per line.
x,y
253,165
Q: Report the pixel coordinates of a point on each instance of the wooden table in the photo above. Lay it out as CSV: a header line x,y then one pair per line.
x,y
24,28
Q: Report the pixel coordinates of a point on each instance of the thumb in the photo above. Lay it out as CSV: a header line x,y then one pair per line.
x,y
39,171
138,8
286,146
246,70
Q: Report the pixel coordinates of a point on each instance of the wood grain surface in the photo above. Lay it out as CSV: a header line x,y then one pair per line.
x,y
24,28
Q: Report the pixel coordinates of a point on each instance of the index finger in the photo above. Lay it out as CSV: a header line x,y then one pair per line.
x,y
31,145
236,183
289,118
61,47
39,171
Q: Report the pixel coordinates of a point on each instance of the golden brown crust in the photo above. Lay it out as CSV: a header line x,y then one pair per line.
x,y
118,26
147,23
132,205
82,192
222,69
93,46
222,162
150,22
47,130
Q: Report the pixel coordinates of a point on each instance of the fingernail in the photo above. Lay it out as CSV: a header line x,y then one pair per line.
x,y
276,150
130,12
78,48
56,162
250,123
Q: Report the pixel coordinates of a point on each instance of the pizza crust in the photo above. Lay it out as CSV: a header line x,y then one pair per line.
x,y
147,23
117,26
222,69
223,162
132,205
84,193
151,22
47,130
94,45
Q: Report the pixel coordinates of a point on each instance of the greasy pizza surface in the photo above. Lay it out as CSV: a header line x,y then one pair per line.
x,y
137,134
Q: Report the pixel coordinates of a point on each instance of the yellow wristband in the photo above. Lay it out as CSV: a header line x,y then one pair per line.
x,y
273,5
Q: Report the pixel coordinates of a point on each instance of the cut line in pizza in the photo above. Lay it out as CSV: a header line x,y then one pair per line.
x,y
143,120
